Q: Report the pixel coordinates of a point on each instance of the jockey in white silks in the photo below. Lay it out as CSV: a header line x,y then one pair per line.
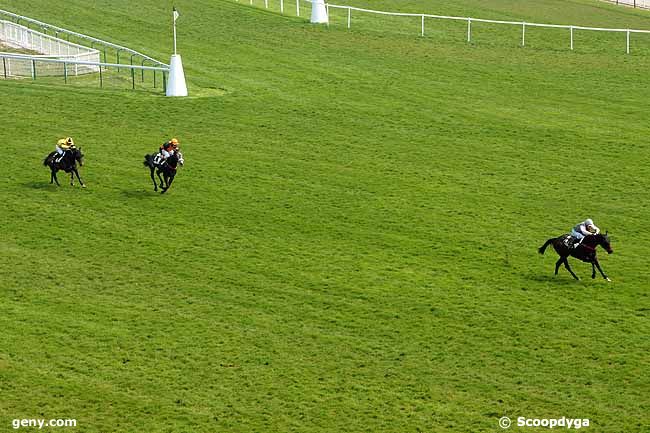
x,y
585,228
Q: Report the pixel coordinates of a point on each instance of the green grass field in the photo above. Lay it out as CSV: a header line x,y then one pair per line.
x,y
352,244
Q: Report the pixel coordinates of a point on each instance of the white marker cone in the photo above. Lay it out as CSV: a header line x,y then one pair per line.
x,y
176,84
318,12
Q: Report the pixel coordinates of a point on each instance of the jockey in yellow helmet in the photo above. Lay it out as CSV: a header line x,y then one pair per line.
x,y
64,144
166,149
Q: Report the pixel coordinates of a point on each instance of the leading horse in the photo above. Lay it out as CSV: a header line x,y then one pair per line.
x,y
586,252
68,163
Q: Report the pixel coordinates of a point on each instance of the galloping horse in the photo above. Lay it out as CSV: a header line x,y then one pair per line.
x,y
586,252
68,163
167,169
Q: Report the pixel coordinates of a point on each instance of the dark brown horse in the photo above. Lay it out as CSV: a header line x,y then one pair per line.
x,y
586,252
67,162
167,168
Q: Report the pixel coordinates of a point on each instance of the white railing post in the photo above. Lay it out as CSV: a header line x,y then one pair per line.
x,y
327,11
572,38
266,4
349,16
297,8
523,34
422,25
628,42
282,7
469,29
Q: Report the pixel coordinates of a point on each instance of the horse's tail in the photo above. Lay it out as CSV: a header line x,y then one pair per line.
x,y
47,159
546,244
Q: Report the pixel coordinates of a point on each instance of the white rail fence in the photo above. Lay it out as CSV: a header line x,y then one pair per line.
x,y
66,68
571,29
21,37
62,58
642,4
118,49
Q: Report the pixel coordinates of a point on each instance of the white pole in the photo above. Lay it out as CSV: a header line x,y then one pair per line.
x,y
628,42
297,8
571,37
349,17
523,34
469,29
266,4
282,7
174,19
422,25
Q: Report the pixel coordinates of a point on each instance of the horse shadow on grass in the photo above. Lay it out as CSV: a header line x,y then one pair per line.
x,y
141,194
40,185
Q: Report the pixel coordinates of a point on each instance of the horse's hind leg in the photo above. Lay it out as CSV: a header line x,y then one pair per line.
x,y
558,263
568,268
153,179
162,183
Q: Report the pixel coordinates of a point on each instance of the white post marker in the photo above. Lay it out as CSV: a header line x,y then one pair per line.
x,y
318,12
176,83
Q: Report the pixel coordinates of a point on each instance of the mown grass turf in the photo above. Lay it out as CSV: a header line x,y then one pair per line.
x,y
351,245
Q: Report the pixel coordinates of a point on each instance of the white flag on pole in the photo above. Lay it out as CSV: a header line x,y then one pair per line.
x,y
176,14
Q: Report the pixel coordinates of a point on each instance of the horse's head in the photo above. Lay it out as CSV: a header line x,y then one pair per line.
x,y
172,161
603,241
179,155
78,155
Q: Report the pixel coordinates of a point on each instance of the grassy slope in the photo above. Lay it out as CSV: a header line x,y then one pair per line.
x,y
351,246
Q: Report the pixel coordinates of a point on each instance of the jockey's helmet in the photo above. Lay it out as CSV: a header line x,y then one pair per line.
x,y
61,142
589,222
174,141
69,141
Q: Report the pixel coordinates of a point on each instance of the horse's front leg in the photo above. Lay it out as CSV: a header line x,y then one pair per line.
x,y
75,171
168,182
595,262
55,178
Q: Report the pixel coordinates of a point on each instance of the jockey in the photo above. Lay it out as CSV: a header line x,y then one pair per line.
x,y
582,229
166,149
62,145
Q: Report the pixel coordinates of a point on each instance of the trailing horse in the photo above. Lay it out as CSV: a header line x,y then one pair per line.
x,y
67,162
586,252
167,168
